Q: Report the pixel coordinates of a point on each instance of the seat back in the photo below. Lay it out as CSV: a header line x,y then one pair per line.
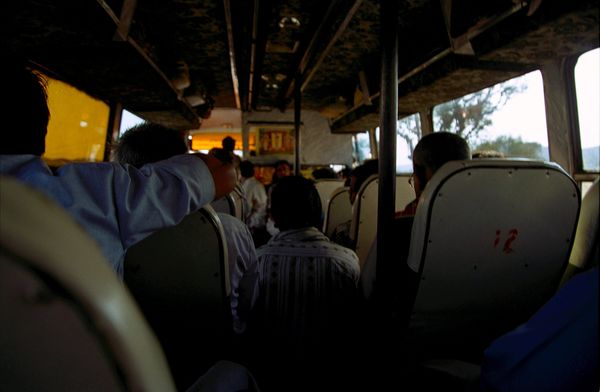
x,y
364,211
325,187
225,204
404,191
68,322
179,276
239,202
339,210
585,252
364,218
232,203
490,240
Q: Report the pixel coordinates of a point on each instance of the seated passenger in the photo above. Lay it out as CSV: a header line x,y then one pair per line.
x,y
308,284
555,350
431,153
142,144
341,234
118,205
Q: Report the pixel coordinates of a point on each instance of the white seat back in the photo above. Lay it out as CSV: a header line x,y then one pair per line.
x,y
490,240
325,187
339,210
404,191
68,322
179,276
232,204
239,203
585,252
364,211
364,217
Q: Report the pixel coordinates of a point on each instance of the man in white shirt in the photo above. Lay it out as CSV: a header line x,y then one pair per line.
x,y
256,199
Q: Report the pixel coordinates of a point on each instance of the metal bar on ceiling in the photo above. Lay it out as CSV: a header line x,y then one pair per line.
x,y
234,76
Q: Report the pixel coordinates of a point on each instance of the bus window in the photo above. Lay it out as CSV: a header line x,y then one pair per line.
x,y
77,127
362,147
408,133
587,84
128,120
204,141
507,119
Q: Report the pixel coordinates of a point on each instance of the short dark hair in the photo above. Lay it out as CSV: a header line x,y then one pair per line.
x,y
295,203
247,169
364,171
435,149
228,143
26,114
221,154
282,162
149,142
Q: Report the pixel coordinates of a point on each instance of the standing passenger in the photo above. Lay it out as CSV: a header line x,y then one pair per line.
x,y
256,203
117,205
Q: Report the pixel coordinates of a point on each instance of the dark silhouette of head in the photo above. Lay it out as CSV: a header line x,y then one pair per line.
x,y
282,169
295,204
360,174
324,172
222,154
432,152
149,142
26,114
228,143
247,169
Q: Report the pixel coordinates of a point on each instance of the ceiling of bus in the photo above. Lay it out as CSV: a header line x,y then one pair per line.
x,y
249,54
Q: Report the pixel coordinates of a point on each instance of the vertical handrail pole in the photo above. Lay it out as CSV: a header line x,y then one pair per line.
x,y
387,147
297,114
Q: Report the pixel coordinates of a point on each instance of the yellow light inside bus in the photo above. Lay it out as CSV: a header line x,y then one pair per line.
x,y
78,125
206,141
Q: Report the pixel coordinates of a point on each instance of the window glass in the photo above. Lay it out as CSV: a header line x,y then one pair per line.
x,y
77,127
203,142
507,119
587,84
128,120
362,147
408,134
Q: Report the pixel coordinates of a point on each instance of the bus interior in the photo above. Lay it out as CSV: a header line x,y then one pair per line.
x,y
330,84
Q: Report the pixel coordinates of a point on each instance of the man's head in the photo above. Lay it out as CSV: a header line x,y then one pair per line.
x,y
149,142
228,143
432,152
247,169
359,175
295,203
26,114
282,169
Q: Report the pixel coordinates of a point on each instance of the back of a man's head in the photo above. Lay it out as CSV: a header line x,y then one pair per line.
x,y
295,203
364,171
247,169
435,149
149,142
25,112
228,143
223,155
